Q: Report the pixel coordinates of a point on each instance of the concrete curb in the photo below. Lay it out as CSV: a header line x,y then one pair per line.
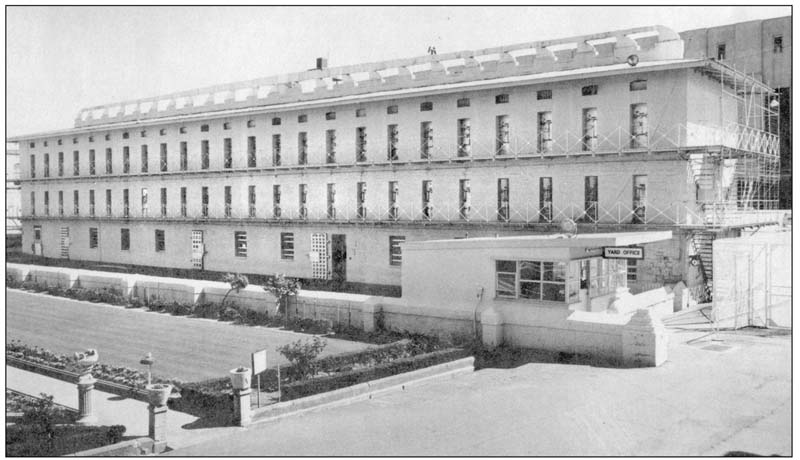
x,y
363,391
131,448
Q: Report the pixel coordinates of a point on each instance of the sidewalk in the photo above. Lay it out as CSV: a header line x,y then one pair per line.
x,y
115,410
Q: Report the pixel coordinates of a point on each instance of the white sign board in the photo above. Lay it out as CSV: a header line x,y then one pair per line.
x,y
259,361
623,252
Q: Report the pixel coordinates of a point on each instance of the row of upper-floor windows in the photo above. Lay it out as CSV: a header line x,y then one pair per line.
x,y
777,48
394,209
502,144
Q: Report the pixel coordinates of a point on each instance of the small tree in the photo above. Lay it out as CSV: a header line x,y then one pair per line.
x,y
236,281
282,288
302,355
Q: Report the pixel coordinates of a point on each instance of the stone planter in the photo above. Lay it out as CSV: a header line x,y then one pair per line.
x,y
240,378
158,393
85,361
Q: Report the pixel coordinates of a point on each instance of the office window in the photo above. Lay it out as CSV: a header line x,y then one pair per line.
x,y
60,203
501,99
226,126
632,270
160,241
463,102
240,244
125,135
125,203
92,169
544,94
395,250
46,165
183,202
589,90
361,113
638,85
91,203
330,116
46,203
276,121
361,200
228,201
426,140
227,148
143,133
503,142
639,199
125,239
126,160
391,110
251,201
204,202
251,151
590,129
464,137
184,146
393,140
144,159
276,150
721,51
302,193
276,201
108,202
76,163
639,127
204,154
287,246
145,204
33,166
93,237
777,44
163,202
182,130
361,144
426,107
75,203
546,199
33,203
251,123
545,132
535,280
302,118
331,189
590,201
203,128
163,157
394,196
330,145
60,164
427,199
162,132
464,199
302,148
503,204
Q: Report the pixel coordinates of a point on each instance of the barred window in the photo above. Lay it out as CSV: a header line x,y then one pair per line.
x,y
360,113
501,99
124,239
638,85
426,107
330,116
240,242
287,246
544,94
302,118
391,110
276,121
203,128
463,102
160,241
93,237
589,90
395,250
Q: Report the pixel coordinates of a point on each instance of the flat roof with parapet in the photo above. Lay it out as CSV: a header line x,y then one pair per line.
x,y
589,240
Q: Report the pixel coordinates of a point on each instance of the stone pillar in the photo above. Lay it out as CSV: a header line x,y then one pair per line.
x,y
368,310
242,415
85,396
491,327
644,340
157,427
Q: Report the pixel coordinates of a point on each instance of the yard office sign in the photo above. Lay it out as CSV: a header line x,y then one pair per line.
x,y
623,252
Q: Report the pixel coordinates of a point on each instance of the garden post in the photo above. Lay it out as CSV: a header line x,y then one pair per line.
x,y
85,395
241,406
157,427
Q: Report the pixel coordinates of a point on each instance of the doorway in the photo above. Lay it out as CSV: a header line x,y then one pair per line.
x,y
65,242
198,249
338,257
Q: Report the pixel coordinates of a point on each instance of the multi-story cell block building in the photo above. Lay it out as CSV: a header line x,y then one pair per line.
x,y
325,173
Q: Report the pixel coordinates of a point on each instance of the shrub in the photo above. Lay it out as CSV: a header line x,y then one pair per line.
x,y
302,355
282,288
229,314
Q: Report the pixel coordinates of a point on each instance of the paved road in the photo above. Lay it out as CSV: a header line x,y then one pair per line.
x,y
701,402
189,349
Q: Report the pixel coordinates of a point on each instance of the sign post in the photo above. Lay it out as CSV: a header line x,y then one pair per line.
x,y
623,252
259,360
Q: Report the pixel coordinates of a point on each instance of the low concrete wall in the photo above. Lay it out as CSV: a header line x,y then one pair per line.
x,y
252,297
337,311
166,290
100,280
18,272
131,448
53,276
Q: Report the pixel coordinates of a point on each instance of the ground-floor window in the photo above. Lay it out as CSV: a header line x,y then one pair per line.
x,y
125,239
240,242
395,251
287,246
558,281
633,270
93,237
37,233
160,241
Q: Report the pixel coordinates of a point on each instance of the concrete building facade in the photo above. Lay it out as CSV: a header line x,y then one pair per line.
x,y
13,199
326,173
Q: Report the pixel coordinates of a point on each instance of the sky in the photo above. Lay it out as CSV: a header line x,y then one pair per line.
x,y
61,59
